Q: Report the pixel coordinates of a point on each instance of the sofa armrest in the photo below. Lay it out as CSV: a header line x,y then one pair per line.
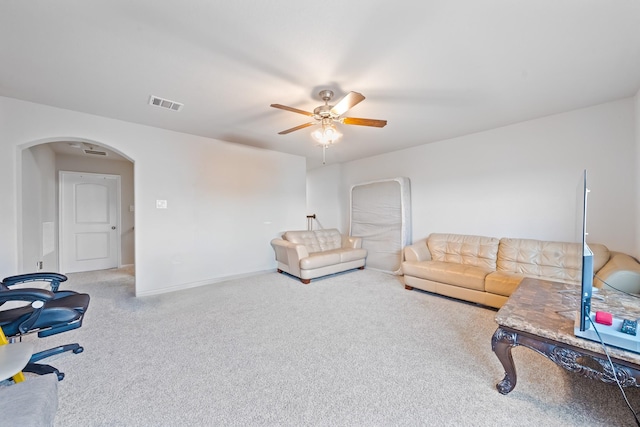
x,y
417,252
289,254
351,242
622,272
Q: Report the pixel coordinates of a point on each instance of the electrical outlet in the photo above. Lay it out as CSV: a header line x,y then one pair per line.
x,y
39,265
161,204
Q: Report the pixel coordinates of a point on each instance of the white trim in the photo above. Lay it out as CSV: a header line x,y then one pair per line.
x,y
199,283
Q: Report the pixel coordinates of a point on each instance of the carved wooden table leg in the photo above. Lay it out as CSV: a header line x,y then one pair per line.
x,y
501,343
534,317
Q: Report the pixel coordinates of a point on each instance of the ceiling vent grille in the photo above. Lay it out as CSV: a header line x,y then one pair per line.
x,y
165,103
95,152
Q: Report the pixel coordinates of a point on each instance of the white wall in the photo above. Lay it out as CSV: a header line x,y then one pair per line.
x,y
520,180
125,170
323,197
38,207
225,201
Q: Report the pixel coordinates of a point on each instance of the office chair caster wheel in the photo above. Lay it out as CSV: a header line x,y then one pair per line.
x,y
78,350
60,375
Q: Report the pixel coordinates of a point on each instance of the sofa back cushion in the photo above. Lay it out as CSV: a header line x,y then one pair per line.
x,y
479,251
554,260
315,240
329,239
303,237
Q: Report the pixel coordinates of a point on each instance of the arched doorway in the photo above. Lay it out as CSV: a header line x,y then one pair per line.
x,y
39,204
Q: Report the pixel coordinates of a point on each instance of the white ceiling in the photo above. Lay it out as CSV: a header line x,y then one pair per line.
x,y
435,69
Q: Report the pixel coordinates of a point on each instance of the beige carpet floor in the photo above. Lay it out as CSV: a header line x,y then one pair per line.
x,y
353,349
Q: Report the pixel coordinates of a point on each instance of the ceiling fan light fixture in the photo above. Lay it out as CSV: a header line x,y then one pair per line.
x,y
326,115
326,135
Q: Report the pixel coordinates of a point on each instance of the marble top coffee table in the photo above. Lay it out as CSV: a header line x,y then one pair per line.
x,y
540,315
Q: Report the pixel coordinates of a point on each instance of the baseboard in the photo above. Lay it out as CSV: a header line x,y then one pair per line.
x,y
199,283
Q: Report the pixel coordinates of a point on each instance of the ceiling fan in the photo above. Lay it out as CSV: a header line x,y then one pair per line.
x,y
326,115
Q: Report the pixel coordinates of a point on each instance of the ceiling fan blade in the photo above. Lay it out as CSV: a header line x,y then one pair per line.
x,y
348,101
295,110
306,125
364,122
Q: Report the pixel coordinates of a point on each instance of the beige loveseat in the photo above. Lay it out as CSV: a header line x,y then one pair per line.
x,y
486,270
310,254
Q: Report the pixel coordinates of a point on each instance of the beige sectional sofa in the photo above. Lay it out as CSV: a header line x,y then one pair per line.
x,y
310,254
486,270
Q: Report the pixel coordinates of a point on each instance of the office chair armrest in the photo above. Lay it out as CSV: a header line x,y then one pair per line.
x,y
26,294
37,297
54,279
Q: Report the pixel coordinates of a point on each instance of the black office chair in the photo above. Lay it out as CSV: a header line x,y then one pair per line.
x,y
50,313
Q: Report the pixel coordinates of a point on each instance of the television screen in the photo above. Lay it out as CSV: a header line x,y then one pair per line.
x,y
607,334
587,261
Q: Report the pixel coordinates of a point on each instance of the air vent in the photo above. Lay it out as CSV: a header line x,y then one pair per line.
x,y
165,103
95,152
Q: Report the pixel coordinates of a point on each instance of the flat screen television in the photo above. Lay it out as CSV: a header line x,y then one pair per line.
x,y
585,318
587,263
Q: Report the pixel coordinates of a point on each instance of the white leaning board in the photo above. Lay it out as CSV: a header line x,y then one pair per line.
x,y
381,216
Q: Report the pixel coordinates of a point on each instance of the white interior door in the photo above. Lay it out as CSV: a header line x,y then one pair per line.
x,y
89,221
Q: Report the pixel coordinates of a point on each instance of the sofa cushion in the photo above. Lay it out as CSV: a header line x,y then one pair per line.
x,y
502,282
329,239
463,275
477,251
315,240
320,259
560,261
324,258
348,254
303,237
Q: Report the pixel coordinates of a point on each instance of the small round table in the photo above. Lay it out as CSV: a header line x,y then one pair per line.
x,y
14,357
